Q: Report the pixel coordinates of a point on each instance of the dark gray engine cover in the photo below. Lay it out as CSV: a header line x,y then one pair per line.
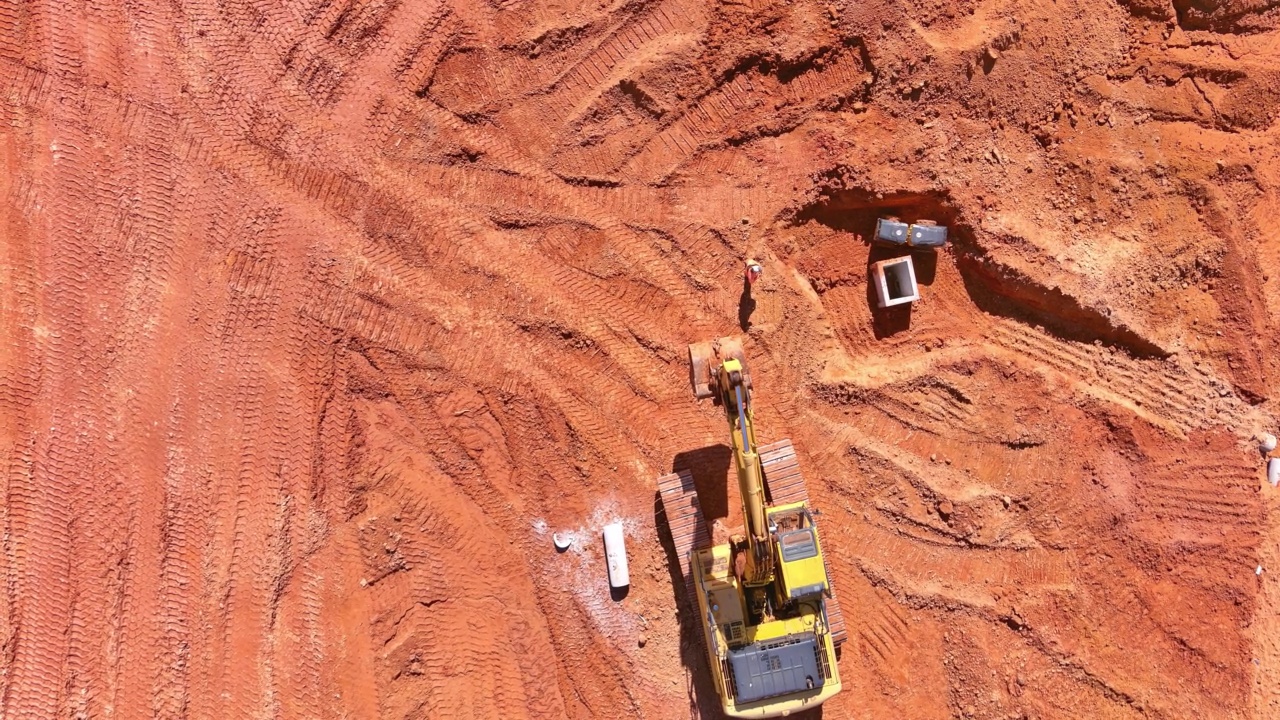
x,y
760,673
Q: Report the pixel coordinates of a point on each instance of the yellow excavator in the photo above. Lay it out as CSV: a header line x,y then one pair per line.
x,y
769,618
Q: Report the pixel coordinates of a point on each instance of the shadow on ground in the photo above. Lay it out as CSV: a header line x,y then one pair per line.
x,y
746,306
710,469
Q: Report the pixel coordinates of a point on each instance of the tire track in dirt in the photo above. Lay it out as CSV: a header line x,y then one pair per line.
x,y
23,333
367,319
302,638
401,30
180,584
446,603
329,188
153,223
99,595
1164,393
290,537
293,537
142,268
748,98
21,384
258,523
911,559
499,192
581,83
927,569
243,628
883,629
620,51
39,527
1203,497
932,405
418,63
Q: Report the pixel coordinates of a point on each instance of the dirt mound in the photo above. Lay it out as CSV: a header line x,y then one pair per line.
x,y
320,318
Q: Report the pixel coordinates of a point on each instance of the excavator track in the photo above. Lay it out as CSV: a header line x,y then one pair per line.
x,y
785,484
684,519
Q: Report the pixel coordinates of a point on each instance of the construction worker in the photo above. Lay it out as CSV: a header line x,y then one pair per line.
x,y
746,303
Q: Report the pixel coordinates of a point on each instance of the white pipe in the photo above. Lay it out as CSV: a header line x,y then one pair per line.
x,y
615,551
1273,471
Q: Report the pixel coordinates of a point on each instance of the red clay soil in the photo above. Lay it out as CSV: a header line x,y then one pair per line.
x,y
317,319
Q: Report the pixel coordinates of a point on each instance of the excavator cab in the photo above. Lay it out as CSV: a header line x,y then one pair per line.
x,y
799,554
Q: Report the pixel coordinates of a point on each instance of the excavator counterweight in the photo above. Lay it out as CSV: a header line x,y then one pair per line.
x,y
770,621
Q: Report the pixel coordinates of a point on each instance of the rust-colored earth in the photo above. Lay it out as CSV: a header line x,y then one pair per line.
x,y
319,318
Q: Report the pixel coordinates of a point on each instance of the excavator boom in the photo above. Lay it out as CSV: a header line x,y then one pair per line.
x,y
736,398
718,369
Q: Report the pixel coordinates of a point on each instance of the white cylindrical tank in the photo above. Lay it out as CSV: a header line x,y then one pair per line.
x,y
1273,472
615,552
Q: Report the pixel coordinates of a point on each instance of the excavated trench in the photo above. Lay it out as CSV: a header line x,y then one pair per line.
x,y
999,289
995,287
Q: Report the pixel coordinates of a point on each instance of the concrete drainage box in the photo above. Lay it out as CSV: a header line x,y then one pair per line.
x,y
895,281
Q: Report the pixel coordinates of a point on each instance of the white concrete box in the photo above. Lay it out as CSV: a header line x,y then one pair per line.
x,y
895,281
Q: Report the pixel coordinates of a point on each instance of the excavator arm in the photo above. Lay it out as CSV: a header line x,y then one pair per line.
x,y
722,368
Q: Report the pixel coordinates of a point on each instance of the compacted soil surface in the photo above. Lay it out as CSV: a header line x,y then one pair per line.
x,y
318,318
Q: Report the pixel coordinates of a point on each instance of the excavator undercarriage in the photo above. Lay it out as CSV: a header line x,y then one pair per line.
x,y
769,618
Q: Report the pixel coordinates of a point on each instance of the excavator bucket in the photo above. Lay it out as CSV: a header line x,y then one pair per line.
x,y
700,358
705,359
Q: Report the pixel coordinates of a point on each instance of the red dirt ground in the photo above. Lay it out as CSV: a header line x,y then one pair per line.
x,y
319,318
